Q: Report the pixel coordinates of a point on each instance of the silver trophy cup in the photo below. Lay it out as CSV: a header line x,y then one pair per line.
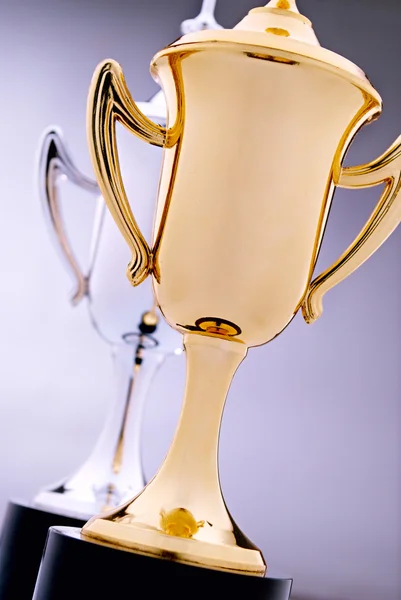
x,y
124,317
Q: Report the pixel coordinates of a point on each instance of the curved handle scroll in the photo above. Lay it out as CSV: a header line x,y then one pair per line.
x,y
55,162
110,101
382,222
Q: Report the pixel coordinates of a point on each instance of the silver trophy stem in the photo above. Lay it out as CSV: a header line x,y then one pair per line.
x,y
113,471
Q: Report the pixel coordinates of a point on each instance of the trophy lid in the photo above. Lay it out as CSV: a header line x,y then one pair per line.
x,y
280,28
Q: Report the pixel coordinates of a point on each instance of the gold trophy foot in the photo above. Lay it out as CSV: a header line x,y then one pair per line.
x,y
175,541
181,514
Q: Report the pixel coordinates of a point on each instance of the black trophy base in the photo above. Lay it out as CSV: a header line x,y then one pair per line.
x,y
22,540
76,568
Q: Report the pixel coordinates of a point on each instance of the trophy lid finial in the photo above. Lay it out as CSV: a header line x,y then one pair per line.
x,y
284,4
280,18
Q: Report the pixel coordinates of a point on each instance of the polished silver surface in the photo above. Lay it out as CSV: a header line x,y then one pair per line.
x,y
55,163
113,471
205,19
115,309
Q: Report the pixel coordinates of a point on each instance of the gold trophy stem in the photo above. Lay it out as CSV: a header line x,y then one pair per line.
x,y
182,512
210,369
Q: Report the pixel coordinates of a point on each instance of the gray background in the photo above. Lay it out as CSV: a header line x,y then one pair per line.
x,y
310,446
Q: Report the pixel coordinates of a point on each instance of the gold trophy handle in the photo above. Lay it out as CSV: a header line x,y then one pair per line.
x,y
382,222
55,162
110,101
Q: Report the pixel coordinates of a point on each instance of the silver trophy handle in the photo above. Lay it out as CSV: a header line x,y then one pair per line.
x,y
54,163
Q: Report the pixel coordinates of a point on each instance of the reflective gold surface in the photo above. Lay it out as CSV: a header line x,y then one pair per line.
x,y
384,219
182,511
283,4
114,103
251,228
179,522
258,125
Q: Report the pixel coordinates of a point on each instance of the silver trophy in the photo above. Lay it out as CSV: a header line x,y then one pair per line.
x,y
125,318
139,339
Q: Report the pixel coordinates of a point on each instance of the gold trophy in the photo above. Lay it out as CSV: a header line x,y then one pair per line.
x,y
259,120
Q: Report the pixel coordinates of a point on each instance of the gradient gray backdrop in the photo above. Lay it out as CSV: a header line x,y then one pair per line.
x,y
310,446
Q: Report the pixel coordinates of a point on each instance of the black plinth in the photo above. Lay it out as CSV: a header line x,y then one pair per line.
x,y
22,540
74,568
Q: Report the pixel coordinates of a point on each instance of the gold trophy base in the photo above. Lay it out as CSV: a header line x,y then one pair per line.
x,y
181,514
81,568
185,550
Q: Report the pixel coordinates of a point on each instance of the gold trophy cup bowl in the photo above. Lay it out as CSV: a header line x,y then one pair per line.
x,y
259,120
